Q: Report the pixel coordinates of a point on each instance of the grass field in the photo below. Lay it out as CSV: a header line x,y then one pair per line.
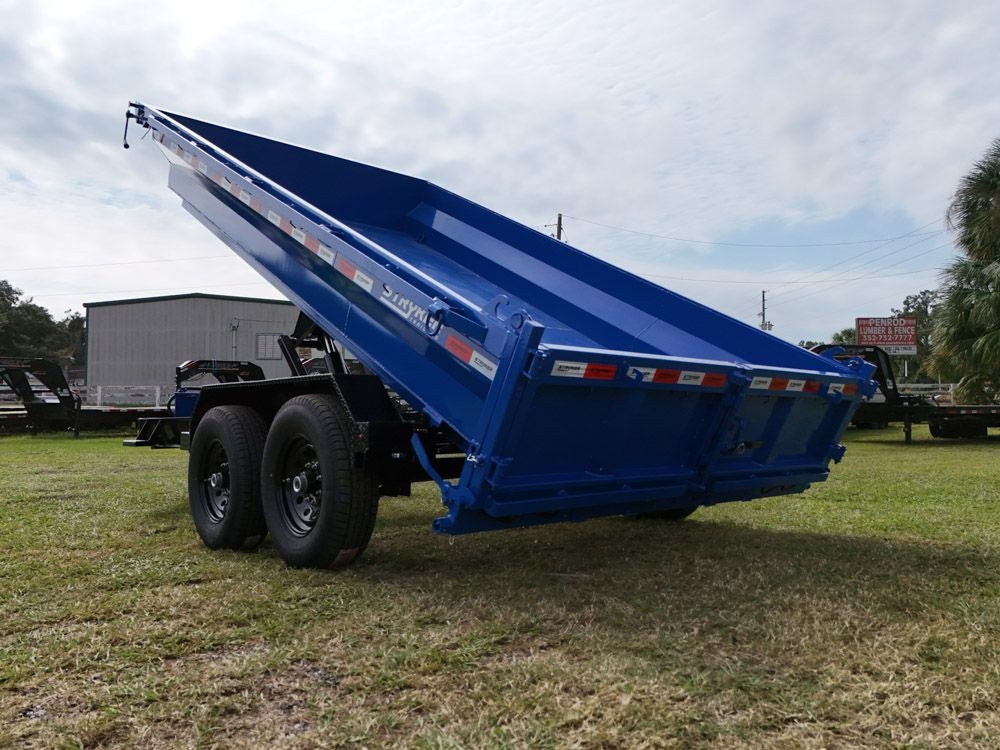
x,y
863,613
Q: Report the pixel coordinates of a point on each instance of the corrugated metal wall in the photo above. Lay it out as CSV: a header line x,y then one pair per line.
x,y
140,343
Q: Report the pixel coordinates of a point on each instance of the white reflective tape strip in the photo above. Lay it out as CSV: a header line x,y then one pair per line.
x,y
363,280
644,374
836,387
324,252
760,382
298,234
273,218
244,196
690,378
483,365
203,167
795,385
226,183
187,157
566,369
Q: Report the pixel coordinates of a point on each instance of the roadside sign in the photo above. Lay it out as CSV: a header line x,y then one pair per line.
x,y
895,335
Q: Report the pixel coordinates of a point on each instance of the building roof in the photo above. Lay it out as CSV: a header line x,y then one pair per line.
x,y
192,295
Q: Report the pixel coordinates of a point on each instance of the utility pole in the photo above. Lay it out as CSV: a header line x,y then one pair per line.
x,y
558,225
765,324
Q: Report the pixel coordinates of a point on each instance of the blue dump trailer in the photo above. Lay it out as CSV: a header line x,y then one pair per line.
x,y
533,383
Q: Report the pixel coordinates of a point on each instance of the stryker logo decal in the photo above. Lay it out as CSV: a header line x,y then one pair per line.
x,y
690,378
678,377
483,365
589,370
404,307
565,369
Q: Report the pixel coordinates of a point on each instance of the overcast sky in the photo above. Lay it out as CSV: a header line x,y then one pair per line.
x,y
790,127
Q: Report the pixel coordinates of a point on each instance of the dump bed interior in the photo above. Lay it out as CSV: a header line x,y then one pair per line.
x,y
486,258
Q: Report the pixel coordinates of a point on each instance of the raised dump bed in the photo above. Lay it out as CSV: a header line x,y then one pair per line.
x,y
571,387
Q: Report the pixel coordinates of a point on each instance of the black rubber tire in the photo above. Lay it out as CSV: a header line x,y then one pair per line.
x,y
977,432
960,431
673,514
227,516
328,521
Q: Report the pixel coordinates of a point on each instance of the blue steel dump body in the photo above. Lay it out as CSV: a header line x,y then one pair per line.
x,y
576,389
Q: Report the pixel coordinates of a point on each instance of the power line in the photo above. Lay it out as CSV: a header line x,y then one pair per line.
x,y
876,259
866,252
767,281
850,305
838,278
116,263
765,245
841,282
142,291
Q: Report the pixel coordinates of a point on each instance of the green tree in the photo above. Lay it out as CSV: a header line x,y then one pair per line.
x,y
74,330
28,330
967,321
844,336
922,307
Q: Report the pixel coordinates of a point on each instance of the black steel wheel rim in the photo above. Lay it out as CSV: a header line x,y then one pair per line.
x,y
215,492
301,486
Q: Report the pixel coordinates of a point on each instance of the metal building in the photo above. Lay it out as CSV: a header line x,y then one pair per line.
x,y
141,341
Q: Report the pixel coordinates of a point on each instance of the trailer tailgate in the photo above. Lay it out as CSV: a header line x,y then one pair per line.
x,y
583,432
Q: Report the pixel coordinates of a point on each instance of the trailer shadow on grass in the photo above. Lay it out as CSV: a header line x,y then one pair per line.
x,y
620,557
940,443
629,576
634,586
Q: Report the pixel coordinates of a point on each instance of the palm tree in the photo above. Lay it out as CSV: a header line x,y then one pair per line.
x,y
975,208
967,320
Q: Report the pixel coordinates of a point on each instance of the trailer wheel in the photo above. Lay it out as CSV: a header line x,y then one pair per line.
x,y
673,514
976,431
958,431
224,478
319,507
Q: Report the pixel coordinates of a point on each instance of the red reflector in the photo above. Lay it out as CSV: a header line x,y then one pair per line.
x,y
312,243
597,371
850,389
459,348
714,379
811,386
778,384
346,267
667,376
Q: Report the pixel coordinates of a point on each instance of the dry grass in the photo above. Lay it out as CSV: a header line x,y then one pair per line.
x,y
863,613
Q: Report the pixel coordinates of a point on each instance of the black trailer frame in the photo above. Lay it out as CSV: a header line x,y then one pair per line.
x,y
972,421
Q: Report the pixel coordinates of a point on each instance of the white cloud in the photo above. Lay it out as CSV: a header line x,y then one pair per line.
x,y
698,120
